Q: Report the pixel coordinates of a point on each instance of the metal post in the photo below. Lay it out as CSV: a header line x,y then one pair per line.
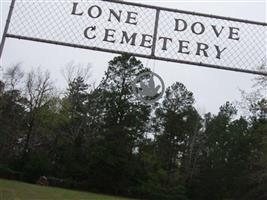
x,y
6,27
155,33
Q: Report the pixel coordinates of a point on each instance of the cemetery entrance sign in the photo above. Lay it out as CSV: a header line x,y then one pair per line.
x,y
144,31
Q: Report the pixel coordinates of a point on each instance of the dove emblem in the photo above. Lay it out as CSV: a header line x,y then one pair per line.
x,y
149,89
146,89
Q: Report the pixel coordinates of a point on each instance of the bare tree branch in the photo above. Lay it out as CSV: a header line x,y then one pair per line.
x,y
13,77
73,70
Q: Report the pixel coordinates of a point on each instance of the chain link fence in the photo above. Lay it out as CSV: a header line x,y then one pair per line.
x,y
145,31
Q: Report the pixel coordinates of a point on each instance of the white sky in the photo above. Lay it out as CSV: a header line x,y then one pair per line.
x,y
211,87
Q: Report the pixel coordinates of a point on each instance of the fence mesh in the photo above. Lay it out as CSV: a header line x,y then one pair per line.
x,y
123,27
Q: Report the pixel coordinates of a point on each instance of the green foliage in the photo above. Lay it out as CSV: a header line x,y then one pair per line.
x,y
7,172
103,139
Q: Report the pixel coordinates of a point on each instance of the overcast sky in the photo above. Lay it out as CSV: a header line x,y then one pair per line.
x,y
211,87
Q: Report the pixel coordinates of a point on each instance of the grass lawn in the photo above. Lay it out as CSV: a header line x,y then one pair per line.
x,y
13,190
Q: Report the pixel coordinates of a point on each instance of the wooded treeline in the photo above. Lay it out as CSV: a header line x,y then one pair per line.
x,y
104,140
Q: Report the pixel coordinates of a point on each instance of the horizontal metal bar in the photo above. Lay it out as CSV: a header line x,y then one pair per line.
x,y
138,55
188,12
